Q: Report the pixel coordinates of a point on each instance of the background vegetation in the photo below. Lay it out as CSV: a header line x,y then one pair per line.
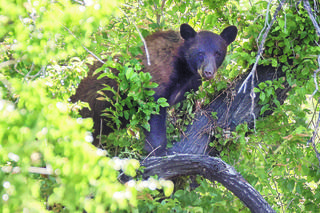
x,y
47,161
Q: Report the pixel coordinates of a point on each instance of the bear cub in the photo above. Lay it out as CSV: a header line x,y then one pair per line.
x,y
178,64
198,56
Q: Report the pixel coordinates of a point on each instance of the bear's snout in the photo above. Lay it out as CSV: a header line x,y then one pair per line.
x,y
208,68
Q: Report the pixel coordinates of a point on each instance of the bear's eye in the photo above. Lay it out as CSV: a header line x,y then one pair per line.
x,y
218,54
200,56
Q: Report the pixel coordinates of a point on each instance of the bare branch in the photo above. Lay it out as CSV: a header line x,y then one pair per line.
x,y
315,78
79,2
7,63
316,128
143,40
36,170
94,55
213,169
306,6
260,51
266,23
261,48
40,170
161,10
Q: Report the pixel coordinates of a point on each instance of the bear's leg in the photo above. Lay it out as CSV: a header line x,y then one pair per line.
x,y
177,93
156,139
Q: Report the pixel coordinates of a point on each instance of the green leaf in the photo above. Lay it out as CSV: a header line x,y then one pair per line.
x,y
168,188
162,102
262,96
129,73
256,89
262,85
264,108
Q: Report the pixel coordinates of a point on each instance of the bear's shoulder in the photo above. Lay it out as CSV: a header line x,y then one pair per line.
x,y
162,49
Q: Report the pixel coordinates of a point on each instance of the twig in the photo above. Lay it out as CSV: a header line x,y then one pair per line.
x,y
79,2
265,22
7,63
84,46
40,170
28,74
261,48
143,40
161,9
315,78
254,68
100,133
314,137
151,153
316,9
306,6
253,95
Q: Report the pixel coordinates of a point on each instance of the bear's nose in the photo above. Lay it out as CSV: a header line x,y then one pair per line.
x,y
209,68
208,74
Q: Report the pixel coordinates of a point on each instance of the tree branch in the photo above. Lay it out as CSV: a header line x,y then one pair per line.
x,y
188,157
261,46
94,55
306,6
141,37
260,51
315,78
232,109
313,139
214,169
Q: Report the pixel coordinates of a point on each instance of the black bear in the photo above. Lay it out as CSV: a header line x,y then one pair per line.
x,y
178,63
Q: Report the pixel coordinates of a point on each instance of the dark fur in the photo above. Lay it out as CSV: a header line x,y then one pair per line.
x,y
175,65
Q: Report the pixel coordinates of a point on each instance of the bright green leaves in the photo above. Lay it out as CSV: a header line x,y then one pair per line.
x,y
41,145
267,94
45,30
132,101
168,187
128,166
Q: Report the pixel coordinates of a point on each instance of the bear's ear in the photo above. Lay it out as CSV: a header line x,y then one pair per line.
x,y
229,34
187,32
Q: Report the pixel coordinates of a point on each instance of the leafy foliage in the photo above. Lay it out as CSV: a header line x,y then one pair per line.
x,y
132,102
43,135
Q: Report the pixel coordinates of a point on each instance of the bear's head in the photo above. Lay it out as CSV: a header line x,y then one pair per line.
x,y
204,52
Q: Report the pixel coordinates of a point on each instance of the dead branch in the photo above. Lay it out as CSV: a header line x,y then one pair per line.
x,y
315,78
314,135
306,6
141,37
232,109
261,47
254,68
90,52
214,169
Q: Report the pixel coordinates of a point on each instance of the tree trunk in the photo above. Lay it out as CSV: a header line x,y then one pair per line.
x,y
232,109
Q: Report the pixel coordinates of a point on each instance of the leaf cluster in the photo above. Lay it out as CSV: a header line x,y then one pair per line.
x,y
39,166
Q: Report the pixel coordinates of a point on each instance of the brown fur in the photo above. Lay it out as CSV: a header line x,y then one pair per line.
x,y
162,47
